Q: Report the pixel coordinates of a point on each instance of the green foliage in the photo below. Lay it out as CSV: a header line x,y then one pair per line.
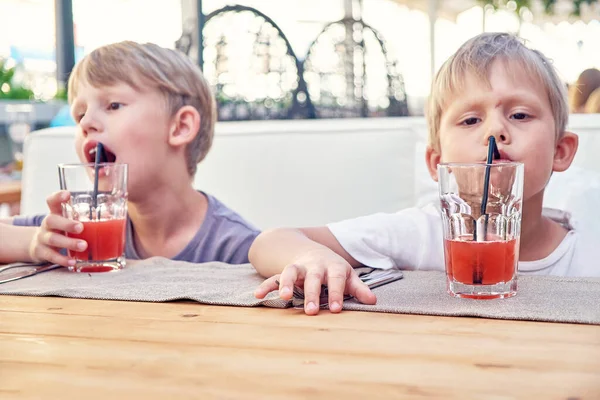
x,y
61,94
548,4
502,4
10,90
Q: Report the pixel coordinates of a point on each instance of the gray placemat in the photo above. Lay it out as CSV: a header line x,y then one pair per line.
x,y
540,298
155,279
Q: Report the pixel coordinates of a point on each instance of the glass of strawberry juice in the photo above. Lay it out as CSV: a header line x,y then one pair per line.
x,y
481,233
103,213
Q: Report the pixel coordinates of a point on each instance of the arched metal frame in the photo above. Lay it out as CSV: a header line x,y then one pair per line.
x,y
299,103
351,74
352,50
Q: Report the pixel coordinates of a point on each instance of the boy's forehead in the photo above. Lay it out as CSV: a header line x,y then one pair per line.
x,y
99,88
517,73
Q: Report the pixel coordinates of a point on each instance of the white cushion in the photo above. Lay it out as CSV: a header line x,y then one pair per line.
x,y
300,173
43,151
587,127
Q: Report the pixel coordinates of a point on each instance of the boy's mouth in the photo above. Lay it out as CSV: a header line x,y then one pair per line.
x,y
89,151
504,158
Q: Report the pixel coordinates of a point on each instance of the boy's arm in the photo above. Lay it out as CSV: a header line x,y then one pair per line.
x,y
8,220
33,243
15,243
276,249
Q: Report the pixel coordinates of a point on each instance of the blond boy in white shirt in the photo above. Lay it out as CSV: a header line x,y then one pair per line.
x,y
492,86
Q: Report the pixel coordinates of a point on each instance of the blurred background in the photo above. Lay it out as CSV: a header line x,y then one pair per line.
x,y
342,57
276,59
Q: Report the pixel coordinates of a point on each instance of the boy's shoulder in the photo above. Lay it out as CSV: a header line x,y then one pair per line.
x,y
586,226
576,254
220,214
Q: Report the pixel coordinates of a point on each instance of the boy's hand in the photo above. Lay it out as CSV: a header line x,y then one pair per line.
x,y
310,273
51,235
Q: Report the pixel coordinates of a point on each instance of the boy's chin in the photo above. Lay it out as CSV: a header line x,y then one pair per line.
x,y
531,194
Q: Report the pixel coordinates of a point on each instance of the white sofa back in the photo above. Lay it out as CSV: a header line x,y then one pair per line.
x,y
310,172
301,173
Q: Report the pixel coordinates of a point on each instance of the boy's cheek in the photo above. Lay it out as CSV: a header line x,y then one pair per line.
x,y
458,154
535,179
454,148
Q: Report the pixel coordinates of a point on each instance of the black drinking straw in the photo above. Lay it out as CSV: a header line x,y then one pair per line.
x,y
496,151
100,157
493,153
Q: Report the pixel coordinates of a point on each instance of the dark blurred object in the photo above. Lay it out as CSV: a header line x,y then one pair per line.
x,y
6,152
65,41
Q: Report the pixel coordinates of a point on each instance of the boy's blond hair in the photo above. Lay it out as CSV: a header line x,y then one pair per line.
x,y
476,56
148,65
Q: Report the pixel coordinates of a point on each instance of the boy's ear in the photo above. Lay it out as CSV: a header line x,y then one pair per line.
x,y
432,158
565,150
184,126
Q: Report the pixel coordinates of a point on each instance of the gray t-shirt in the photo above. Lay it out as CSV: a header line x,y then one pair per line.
x,y
223,236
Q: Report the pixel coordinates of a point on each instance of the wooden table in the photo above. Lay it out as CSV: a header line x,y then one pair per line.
x,y
10,192
56,348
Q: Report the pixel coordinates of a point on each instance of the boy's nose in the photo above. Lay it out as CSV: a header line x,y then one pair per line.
x,y
500,137
89,125
498,130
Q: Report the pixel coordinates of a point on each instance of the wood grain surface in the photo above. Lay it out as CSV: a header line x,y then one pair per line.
x,y
57,348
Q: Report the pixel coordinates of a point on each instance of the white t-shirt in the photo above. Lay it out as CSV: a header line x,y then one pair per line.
x,y
413,239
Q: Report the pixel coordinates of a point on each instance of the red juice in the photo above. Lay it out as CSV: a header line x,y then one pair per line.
x,y
105,239
480,263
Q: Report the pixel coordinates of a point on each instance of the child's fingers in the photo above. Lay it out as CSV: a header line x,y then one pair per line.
x,y
268,286
51,255
59,223
358,289
288,278
312,290
55,200
336,284
57,240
